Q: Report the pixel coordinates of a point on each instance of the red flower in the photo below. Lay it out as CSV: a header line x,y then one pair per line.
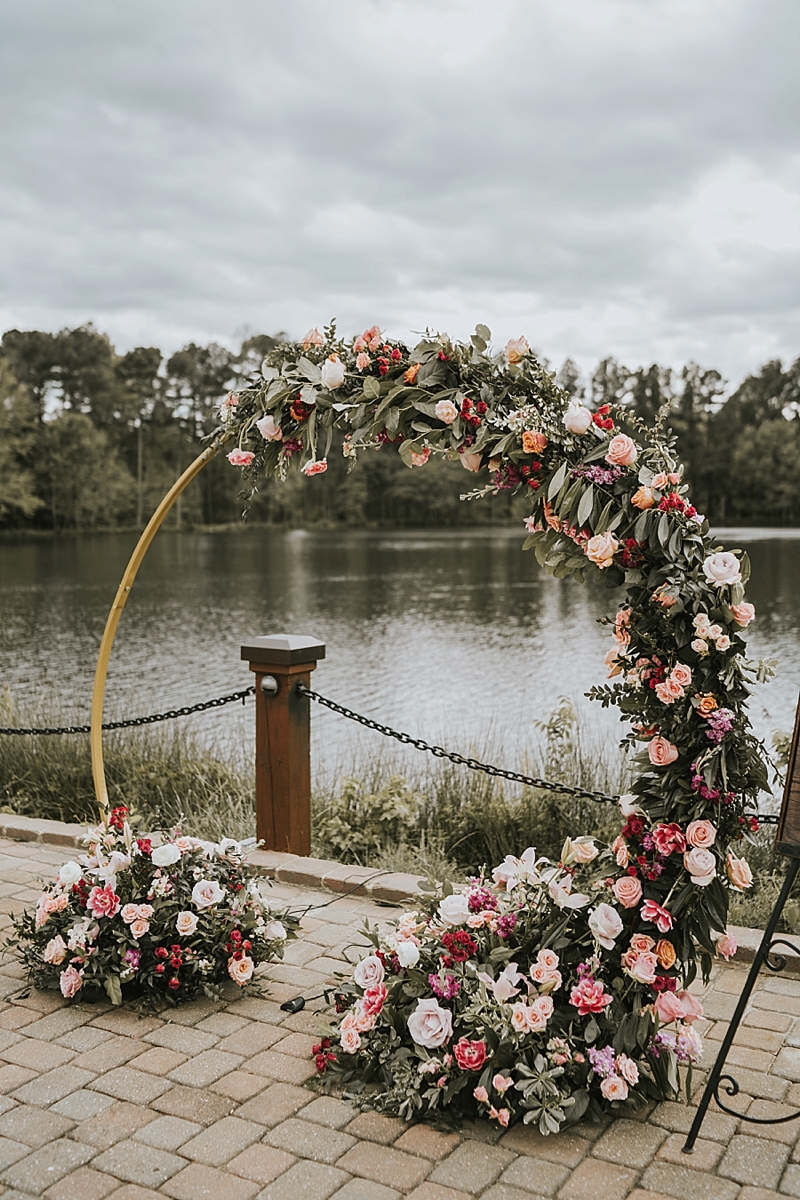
x,y
460,945
470,1056
174,983
396,355
145,846
160,969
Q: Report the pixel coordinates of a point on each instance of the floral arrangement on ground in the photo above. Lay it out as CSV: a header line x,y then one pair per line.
x,y
162,919
606,495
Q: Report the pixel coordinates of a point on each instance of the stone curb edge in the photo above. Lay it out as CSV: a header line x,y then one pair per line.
x,y
391,887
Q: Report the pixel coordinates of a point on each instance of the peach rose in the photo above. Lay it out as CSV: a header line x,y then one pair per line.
x,y
410,376
241,969
722,570
739,872
350,1040
701,834
643,968
622,451
692,1008
641,943
129,913
628,890
743,613
620,851
628,1069
612,663
313,338
139,928
419,460
706,704
577,419
359,345
661,752
601,549
669,691
681,674
643,498
186,923
665,953
516,349
470,462
362,361
701,865
614,1087
446,411
532,442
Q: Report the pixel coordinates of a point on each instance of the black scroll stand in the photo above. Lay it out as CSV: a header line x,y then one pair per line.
x,y
787,842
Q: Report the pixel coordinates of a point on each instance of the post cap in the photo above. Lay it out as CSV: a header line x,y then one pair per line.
x,y
283,649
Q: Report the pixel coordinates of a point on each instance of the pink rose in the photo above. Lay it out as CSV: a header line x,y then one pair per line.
x,y
55,951
640,943
470,1056
103,902
660,481
240,969
701,865
622,451
614,1088
701,834
739,872
620,850
359,345
70,982
657,915
605,924
315,468
502,1117
375,998
692,1008
589,997
669,691
419,460
628,1069
373,337
601,549
350,1039
722,569
516,349
669,1007
429,1025
743,613
643,967
470,462
681,674
129,913
240,458
520,1014
313,338
628,890
362,361
446,411
661,752
269,430
363,1021
369,972
727,946
139,928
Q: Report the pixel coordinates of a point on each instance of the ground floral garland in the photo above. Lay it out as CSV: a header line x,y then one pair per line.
x,y
548,994
162,923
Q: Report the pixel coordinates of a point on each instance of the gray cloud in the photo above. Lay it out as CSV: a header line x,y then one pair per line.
x,y
610,176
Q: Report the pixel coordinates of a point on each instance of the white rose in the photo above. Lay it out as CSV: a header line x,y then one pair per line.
x,y
269,430
701,865
275,931
407,953
722,569
430,1025
369,972
577,419
454,909
230,846
206,892
629,805
332,372
446,411
606,925
165,856
70,873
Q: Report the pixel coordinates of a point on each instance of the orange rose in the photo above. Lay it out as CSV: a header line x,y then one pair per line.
x,y
643,498
706,704
665,953
533,443
411,374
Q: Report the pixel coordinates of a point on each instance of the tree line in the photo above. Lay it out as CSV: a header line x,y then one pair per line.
x,y
92,439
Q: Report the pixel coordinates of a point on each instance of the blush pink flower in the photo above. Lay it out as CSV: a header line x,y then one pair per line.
x,y
701,834
601,549
315,468
701,865
657,915
661,752
614,1087
628,890
743,613
643,967
313,338
722,569
516,349
669,691
481,1095
622,451
375,998
727,946
589,996
419,460
446,411
139,928
103,902
681,674
692,1008
362,361
350,1039
55,951
470,462
501,1083
739,872
669,1007
240,458
241,969
269,430
70,981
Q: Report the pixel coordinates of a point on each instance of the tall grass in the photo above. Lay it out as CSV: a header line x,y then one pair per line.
x,y
427,816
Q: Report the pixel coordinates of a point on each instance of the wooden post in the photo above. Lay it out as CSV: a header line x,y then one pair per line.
x,y
283,739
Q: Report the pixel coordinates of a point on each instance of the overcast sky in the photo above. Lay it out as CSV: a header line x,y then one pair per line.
x,y
607,176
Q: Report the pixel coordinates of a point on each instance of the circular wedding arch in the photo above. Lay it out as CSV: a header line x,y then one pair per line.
x,y
606,494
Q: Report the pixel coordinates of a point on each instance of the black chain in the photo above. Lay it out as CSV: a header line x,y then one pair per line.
x,y
474,765
186,711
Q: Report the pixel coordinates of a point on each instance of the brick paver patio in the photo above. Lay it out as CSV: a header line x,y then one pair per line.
x,y
209,1099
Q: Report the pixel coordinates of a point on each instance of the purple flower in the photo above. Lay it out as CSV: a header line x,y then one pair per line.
x,y
602,1060
479,899
132,958
444,987
719,723
506,925
602,475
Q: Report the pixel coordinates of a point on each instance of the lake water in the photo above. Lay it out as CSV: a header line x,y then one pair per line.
x,y
453,636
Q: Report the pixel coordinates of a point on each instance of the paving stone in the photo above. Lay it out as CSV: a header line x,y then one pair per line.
x,y
223,1024
158,1060
205,1068
198,1181
82,1105
58,1023
46,1166
297,1044
33,1126
283,1067
218,1143
134,1162
788,1005
535,1175
167,1133
251,1040
240,1085
593,1178
11,1151
111,1054
670,1179
367,1189
437,1191
787,1064
16,1018
83,1038
767,1110
629,1143
479,1163
125,1083
12,1077
113,1124
507,1191
375,1127
679,1117
132,1191
193,1105
790,1184
83,1184
38,1055
761,1019
566,1148
127,1022
304,1181
53,1086
424,1141
704,1156
753,1160
306,1140
184,1040
261,1163
274,1105
756,1193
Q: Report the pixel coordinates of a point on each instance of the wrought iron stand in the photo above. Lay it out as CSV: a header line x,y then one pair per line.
x,y
766,957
